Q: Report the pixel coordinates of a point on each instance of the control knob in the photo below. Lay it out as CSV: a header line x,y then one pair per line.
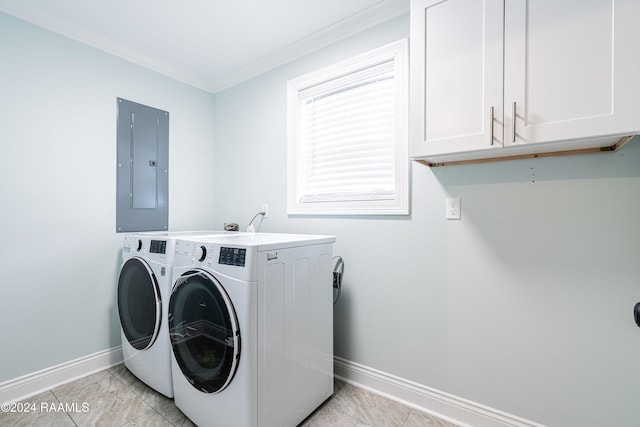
x,y
203,253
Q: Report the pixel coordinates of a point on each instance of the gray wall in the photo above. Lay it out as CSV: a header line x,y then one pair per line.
x,y
524,305
60,254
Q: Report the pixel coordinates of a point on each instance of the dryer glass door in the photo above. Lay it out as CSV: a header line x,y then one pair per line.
x,y
205,337
139,303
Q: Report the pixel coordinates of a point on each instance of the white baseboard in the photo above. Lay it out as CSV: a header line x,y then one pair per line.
x,y
451,408
37,382
457,410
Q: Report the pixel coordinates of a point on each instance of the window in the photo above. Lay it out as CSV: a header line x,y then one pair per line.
x,y
347,136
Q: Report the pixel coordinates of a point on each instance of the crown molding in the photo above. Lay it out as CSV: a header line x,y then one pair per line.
x,y
354,24
25,12
368,18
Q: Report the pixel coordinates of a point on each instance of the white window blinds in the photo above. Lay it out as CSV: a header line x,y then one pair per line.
x,y
348,134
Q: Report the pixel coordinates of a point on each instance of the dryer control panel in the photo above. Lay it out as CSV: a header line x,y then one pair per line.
x,y
158,247
232,256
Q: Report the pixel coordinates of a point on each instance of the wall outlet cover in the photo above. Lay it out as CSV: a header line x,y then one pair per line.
x,y
452,208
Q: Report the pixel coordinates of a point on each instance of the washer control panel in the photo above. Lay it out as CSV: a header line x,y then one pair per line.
x,y
232,256
158,247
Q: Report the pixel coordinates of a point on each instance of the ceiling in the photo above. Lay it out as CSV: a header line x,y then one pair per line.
x,y
209,44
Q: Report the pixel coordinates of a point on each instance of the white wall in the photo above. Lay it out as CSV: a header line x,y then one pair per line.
x,y
524,305
60,253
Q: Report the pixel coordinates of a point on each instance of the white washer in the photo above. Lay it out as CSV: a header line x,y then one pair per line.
x,y
251,328
144,287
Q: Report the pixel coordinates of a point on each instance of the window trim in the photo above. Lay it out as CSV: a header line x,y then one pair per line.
x,y
396,52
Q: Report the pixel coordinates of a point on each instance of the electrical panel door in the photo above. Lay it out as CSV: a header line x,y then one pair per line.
x,y
142,168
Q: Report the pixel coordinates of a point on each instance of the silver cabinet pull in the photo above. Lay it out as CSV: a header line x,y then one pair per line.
x,y
513,135
492,111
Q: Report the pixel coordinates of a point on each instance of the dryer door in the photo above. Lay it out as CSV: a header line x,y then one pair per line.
x,y
139,303
205,337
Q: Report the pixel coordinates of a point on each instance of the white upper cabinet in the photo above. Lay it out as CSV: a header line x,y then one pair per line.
x,y
498,78
456,75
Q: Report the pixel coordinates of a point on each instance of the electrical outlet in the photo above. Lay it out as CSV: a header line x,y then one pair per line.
x,y
265,209
452,205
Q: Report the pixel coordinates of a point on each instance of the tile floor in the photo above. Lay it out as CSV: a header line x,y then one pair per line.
x,y
115,397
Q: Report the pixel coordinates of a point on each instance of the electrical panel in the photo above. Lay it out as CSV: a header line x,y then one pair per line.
x,y
142,193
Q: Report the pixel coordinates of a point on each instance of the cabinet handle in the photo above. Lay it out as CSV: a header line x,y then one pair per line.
x,y
492,111
513,135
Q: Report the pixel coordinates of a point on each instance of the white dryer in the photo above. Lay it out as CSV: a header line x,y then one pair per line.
x,y
144,287
251,328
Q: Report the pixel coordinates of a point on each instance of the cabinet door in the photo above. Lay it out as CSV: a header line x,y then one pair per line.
x,y
570,70
456,76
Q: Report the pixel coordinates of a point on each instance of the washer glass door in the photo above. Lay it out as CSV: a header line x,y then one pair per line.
x,y
139,303
204,331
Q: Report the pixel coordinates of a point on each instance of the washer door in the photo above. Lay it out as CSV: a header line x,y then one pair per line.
x,y
204,331
139,303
